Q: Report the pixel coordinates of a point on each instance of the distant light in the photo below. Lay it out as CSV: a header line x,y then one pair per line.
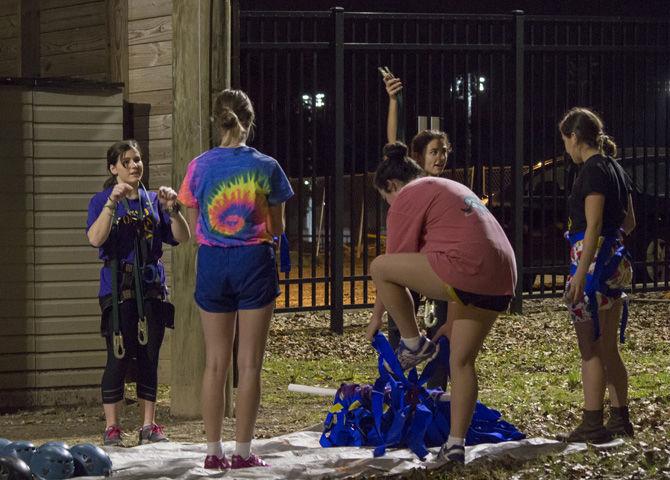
x,y
306,182
320,100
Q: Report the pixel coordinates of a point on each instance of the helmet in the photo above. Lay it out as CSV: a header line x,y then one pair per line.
x,y
90,460
21,449
13,468
52,463
55,444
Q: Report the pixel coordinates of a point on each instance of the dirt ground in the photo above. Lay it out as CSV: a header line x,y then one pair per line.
x,y
298,342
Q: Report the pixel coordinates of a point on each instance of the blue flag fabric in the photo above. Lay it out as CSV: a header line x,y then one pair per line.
x,y
397,411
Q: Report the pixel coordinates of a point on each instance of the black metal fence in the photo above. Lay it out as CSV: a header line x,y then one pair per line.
x,y
499,83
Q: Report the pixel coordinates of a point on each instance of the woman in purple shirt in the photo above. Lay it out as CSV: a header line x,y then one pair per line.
x,y
129,225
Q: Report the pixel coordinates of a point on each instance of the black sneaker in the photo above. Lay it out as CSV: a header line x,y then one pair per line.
x,y
454,454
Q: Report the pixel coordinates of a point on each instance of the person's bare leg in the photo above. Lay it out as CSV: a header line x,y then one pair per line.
x,y
393,274
253,332
148,410
469,328
111,413
219,332
616,375
593,373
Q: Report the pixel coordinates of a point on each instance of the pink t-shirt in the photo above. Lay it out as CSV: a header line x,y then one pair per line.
x,y
465,244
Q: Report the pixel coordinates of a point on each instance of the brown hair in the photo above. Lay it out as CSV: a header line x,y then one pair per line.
x,y
396,166
589,129
421,141
114,153
233,115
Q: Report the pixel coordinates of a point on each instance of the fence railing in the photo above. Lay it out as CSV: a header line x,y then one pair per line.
x,y
499,83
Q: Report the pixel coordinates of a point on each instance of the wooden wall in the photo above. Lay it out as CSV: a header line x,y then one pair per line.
x,y
73,39
150,95
49,320
49,342
10,41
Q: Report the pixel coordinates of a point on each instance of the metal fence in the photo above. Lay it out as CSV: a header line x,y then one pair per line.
x,y
499,83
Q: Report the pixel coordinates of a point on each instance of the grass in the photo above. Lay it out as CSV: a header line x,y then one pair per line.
x,y
529,369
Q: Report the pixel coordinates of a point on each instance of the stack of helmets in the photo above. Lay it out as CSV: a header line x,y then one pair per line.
x,y
51,461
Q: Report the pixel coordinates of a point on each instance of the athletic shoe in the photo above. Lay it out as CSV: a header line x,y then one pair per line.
x,y
152,434
408,359
252,461
112,436
212,462
455,454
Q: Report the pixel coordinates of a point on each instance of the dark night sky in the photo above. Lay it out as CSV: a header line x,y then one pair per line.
x,y
641,8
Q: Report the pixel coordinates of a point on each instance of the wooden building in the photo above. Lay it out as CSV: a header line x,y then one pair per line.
x,y
75,76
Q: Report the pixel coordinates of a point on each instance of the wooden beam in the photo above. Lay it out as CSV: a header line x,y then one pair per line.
x,y
30,38
117,41
191,47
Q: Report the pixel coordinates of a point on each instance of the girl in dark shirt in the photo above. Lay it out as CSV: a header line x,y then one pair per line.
x,y
600,208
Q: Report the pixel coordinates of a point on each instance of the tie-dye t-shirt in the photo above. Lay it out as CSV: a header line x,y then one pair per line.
x,y
233,188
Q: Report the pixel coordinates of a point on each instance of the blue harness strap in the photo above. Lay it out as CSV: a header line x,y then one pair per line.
x,y
596,282
397,411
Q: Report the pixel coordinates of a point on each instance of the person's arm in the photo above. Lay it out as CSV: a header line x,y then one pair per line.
x,y
168,200
101,228
192,218
593,209
393,87
180,229
376,319
629,220
275,220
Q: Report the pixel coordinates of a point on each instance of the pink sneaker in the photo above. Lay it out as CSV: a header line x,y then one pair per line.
x,y
253,461
112,436
212,462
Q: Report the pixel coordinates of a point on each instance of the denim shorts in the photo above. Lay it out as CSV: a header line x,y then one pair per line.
x,y
236,278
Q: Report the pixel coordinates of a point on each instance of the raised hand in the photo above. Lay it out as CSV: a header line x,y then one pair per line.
x,y
120,191
167,197
393,86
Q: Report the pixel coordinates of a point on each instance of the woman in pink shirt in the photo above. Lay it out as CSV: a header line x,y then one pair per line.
x,y
443,243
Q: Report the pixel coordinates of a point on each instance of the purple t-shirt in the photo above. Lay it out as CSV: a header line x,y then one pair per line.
x,y
156,226
233,188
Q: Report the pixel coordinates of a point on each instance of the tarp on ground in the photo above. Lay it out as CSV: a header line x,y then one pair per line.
x,y
299,456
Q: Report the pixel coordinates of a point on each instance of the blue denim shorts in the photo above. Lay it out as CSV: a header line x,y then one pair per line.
x,y
236,278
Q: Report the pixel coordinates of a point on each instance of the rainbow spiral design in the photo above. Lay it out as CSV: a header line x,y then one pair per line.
x,y
239,204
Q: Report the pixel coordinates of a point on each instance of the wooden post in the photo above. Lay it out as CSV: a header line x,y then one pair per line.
x,y
117,42
29,15
220,79
190,136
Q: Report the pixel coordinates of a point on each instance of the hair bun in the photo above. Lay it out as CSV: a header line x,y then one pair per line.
x,y
228,117
395,151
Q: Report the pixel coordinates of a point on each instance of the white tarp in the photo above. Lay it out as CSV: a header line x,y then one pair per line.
x,y
298,455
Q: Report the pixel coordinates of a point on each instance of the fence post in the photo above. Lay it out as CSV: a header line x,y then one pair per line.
x,y
337,180
517,165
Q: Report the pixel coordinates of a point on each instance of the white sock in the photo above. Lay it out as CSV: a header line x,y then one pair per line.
x,y
451,441
215,448
412,343
243,449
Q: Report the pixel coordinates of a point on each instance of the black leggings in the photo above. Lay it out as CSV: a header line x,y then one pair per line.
x,y
440,375
113,379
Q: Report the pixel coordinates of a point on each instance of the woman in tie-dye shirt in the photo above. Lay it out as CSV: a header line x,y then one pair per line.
x,y
235,197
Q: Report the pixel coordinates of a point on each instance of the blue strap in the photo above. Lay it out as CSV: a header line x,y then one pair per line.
x,y
284,254
594,281
624,322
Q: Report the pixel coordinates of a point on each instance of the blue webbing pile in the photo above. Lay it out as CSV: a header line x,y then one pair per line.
x,y
398,411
